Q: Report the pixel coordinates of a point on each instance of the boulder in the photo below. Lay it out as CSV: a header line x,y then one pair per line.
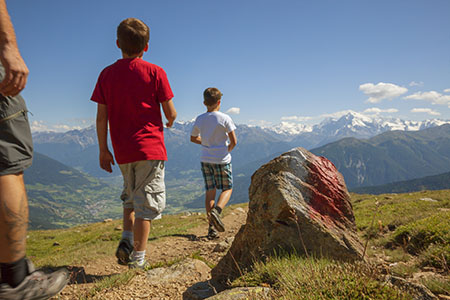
x,y
298,203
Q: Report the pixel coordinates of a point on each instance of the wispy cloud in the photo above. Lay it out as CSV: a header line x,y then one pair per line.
x,y
261,123
380,91
75,124
296,118
234,111
433,97
447,91
426,110
337,114
414,83
376,110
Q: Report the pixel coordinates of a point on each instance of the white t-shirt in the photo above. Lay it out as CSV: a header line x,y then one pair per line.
x,y
213,128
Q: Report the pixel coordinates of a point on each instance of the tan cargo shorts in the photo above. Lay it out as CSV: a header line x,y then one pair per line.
x,y
144,188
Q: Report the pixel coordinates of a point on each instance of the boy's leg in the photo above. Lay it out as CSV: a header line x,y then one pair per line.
x,y
125,247
141,232
224,198
149,202
128,219
210,198
224,181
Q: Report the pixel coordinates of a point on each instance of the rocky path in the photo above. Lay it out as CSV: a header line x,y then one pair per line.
x,y
168,249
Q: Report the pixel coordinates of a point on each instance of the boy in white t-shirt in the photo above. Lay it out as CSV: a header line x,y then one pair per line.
x,y
214,130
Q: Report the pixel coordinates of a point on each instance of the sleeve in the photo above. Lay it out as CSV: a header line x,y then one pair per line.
x,y
164,92
229,125
98,95
195,129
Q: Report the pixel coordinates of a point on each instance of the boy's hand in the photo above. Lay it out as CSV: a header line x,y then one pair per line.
x,y
106,159
169,124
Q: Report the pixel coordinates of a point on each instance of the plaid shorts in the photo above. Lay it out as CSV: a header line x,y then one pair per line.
x,y
217,176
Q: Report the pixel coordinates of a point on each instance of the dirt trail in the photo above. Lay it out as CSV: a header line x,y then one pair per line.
x,y
163,250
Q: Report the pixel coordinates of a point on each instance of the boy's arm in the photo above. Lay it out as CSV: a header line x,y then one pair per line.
x,y
169,112
106,158
196,139
233,140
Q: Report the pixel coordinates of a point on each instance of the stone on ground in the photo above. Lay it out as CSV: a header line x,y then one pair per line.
x,y
298,203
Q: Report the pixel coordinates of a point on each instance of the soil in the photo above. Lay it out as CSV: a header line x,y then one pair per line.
x,y
162,250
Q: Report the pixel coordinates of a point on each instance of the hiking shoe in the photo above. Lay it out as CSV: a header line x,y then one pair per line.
x,y
36,286
123,252
212,233
217,222
144,265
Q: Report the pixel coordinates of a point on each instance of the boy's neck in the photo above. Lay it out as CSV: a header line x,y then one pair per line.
x,y
124,55
212,109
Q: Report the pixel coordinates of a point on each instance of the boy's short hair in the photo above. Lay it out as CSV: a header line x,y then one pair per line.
x,y
211,96
133,35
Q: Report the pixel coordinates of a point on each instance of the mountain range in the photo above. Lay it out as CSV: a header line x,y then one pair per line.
x,y
366,151
78,148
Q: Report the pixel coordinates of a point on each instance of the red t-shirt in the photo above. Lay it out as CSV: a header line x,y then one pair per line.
x,y
133,89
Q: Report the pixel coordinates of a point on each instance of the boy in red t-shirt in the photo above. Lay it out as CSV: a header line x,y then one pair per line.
x,y
129,93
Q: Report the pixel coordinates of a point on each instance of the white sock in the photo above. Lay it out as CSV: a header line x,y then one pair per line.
x,y
128,235
138,256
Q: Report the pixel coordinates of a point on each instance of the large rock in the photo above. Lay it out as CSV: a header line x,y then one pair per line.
x,y
298,203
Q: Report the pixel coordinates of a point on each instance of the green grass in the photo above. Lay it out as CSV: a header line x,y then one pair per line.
x,y
85,243
294,277
109,282
409,232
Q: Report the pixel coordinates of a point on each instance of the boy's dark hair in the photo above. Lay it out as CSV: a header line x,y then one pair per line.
x,y
211,96
133,35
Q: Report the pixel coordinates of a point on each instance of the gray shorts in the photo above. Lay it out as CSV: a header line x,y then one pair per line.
x,y
144,188
16,146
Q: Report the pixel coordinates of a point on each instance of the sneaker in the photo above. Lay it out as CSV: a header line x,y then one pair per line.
x,y
36,285
217,222
123,252
212,233
144,265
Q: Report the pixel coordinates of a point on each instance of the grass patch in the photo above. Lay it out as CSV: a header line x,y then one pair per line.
x,y
85,243
419,235
110,282
294,277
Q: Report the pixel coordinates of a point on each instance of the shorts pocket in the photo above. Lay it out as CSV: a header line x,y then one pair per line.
x,y
156,201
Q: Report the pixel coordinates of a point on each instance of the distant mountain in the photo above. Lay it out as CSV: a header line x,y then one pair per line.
x,y
61,196
435,182
391,156
78,148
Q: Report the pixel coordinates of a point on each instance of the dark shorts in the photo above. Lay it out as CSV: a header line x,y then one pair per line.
x,y
16,146
217,176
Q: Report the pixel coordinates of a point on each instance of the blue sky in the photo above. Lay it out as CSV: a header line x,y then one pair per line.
x,y
274,61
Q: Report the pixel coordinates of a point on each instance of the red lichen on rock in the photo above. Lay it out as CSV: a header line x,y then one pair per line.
x,y
329,196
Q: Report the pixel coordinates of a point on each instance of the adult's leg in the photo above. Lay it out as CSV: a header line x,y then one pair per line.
x,y
13,218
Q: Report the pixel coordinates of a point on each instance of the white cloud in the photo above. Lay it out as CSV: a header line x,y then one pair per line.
x,y
447,91
376,110
432,96
414,83
425,110
233,111
381,91
296,118
40,125
260,123
337,114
